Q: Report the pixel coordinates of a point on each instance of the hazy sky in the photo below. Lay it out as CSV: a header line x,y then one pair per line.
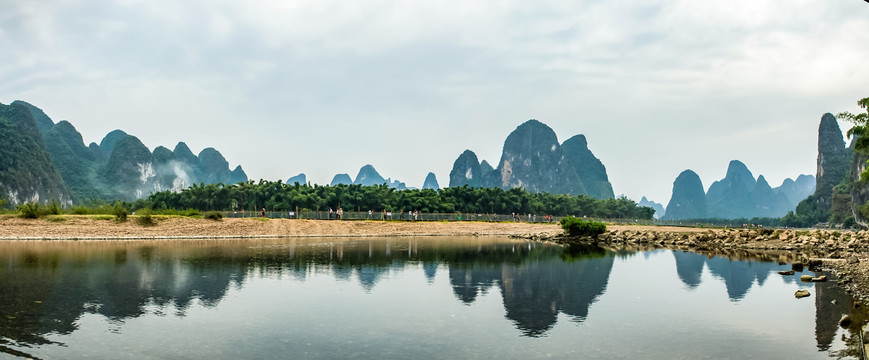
x,y
325,87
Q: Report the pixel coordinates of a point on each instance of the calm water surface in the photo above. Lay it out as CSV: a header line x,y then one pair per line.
x,y
405,297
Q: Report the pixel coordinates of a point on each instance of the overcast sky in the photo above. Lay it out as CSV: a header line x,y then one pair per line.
x,y
324,87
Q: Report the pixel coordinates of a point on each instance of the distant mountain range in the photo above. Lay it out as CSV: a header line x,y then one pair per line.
x,y
47,161
368,176
42,160
738,195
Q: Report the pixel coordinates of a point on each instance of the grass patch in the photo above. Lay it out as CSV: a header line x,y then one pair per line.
x,y
174,212
56,218
102,217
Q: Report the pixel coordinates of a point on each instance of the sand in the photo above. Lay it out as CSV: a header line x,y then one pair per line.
x,y
84,227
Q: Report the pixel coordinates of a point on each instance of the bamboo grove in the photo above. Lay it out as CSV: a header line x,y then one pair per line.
x,y
277,196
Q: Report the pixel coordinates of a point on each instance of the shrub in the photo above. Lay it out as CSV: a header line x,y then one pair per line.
x,y
579,227
53,208
120,212
213,215
144,217
30,210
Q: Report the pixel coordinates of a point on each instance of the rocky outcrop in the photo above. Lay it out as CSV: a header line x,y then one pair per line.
x,y
659,208
466,171
688,200
533,159
859,191
833,160
431,182
591,171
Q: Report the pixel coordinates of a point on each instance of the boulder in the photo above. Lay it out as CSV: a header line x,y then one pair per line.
x,y
801,294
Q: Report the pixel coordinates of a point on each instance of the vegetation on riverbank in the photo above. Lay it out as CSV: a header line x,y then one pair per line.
x,y
277,196
580,227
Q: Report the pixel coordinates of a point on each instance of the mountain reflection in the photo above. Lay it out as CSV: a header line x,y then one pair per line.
x,y
738,276
535,291
48,287
831,302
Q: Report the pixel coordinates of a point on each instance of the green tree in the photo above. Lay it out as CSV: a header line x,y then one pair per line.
x,y
860,130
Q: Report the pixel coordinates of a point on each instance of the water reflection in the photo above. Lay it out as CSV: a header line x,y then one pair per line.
x,y
48,287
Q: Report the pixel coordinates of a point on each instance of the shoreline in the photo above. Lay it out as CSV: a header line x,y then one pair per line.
x,y
845,253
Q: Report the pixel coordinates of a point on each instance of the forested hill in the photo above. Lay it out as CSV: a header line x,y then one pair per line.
x,y
42,161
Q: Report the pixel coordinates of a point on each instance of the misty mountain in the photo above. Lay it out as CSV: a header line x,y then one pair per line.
x,y
737,195
26,171
120,167
659,208
532,158
342,179
301,179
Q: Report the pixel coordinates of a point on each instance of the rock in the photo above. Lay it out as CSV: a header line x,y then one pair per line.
x,y
853,259
822,278
845,321
806,278
788,272
797,266
801,294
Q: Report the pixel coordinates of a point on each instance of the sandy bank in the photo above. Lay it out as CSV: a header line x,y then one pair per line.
x,y
83,227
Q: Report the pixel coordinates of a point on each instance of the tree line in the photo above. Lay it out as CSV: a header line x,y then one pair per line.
x,y
277,196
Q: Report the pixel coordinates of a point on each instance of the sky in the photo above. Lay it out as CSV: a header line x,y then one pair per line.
x,y
323,87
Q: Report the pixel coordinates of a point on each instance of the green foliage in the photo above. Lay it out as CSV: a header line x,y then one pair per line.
x,y
56,218
31,210
807,214
276,196
143,217
213,215
24,160
579,227
120,212
2,202
174,212
53,208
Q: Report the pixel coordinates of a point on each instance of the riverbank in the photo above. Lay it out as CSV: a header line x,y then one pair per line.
x,y
81,227
844,253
